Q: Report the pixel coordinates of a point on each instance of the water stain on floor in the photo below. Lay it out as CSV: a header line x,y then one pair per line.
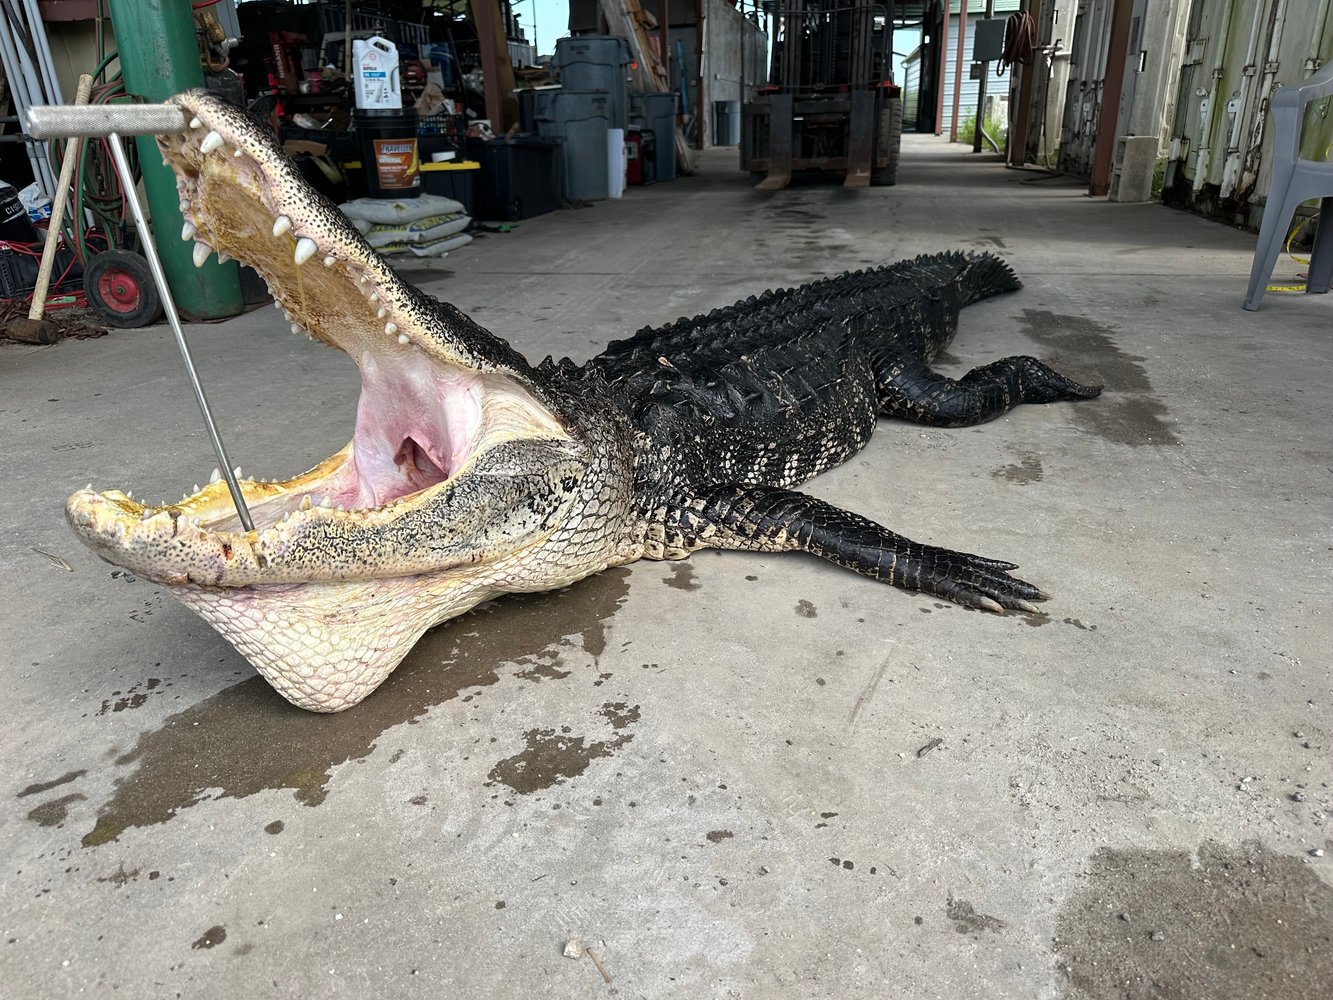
x,y
211,938
1026,472
550,758
56,811
1224,923
1127,412
682,577
967,920
45,786
246,739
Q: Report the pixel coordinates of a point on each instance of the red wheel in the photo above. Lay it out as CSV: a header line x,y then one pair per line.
x,y
120,287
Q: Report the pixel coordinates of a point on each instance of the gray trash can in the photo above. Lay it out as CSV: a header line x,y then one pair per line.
x,y
726,123
657,112
581,118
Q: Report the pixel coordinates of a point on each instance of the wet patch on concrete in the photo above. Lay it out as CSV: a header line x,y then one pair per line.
x,y
120,877
277,826
946,358
805,609
543,670
246,739
135,697
550,758
966,920
717,836
1227,924
1027,471
55,812
211,938
619,715
1037,620
682,577
45,786
1128,412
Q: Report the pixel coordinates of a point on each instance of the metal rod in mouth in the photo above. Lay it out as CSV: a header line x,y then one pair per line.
x,y
169,307
65,121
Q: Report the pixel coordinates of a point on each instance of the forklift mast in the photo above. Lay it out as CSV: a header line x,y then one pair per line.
x,y
830,102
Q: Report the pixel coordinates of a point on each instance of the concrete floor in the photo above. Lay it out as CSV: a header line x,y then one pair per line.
x,y
741,776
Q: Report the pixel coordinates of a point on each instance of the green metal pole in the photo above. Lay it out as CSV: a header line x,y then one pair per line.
x,y
158,58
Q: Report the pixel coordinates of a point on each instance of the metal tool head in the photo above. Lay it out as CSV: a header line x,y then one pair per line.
x,y
65,121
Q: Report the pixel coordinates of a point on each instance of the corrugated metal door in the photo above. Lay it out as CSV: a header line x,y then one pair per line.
x,y
1239,51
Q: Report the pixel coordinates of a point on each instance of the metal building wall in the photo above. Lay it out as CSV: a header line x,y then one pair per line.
x,y
1145,104
911,84
967,102
1238,51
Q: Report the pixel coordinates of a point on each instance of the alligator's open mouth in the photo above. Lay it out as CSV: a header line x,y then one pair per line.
x,y
435,390
444,406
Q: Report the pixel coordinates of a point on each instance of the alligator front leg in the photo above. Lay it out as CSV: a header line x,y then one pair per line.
x,y
768,519
911,390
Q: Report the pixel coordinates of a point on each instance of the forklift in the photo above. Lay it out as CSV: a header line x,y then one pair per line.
x,y
830,103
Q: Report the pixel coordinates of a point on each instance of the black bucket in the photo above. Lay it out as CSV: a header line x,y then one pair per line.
x,y
389,158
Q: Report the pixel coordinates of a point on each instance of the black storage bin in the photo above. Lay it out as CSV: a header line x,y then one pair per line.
x,y
18,271
519,177
450,180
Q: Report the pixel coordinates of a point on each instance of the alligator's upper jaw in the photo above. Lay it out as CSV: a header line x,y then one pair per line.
x,y
438,395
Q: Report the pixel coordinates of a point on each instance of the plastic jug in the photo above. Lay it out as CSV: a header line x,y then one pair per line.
x,y
376,80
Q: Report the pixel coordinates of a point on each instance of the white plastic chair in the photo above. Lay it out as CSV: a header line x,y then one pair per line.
x,y
1295,180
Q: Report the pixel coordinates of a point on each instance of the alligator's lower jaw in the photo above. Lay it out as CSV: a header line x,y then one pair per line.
x,y
326,647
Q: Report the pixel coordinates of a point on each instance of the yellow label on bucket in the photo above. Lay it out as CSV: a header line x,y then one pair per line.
x,y
396,163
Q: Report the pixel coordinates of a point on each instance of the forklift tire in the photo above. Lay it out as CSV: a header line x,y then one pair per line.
x,y
120,288
888,144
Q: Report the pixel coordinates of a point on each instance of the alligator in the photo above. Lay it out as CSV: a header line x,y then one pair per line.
x,y
472,473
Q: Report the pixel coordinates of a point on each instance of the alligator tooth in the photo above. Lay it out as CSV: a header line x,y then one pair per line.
x,y
381,312
185,204
211,142
238,153
201,252
305,249
390,328
236,472
288,314
325,503
330,260
296,328
88,488
281,225
305,502
188,230
196,123
374,296
404,339
215,477
147,515
222,257
129,494
196,489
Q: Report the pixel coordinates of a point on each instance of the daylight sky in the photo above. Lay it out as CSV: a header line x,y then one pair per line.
x,y
552,20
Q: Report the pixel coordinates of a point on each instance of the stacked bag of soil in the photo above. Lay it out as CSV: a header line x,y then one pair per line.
x,y
428,225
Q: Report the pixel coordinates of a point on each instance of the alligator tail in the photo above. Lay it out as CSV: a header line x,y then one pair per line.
x,y
985,275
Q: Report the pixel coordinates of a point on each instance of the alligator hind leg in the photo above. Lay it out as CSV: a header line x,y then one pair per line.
x,y
911,390
768,519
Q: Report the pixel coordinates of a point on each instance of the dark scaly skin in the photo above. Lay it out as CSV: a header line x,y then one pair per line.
x,y
735,407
